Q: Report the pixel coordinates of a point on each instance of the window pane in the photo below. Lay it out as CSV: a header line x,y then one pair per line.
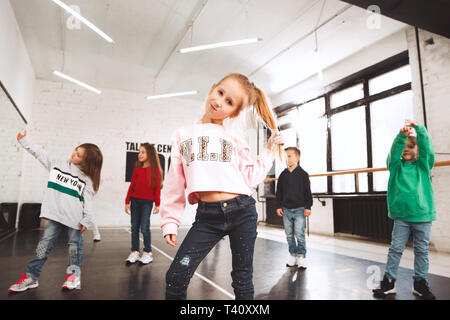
x,y
312,132
380,180
363,182
349,146
390,80
290,140
283,120
291,117
387,117
348,137
346,183
290,137
347,95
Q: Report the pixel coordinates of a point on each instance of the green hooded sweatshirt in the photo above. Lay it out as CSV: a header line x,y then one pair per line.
x,y
410,194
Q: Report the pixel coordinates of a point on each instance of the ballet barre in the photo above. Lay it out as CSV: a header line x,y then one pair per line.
x,y
355,172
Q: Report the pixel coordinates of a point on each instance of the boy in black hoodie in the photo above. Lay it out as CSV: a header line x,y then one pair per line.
x,y
294,201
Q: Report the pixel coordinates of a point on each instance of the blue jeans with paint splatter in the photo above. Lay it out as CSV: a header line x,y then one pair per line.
x,y
236,218
45,245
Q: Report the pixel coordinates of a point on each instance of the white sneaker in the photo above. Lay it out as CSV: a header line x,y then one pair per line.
x,y
292,262
23,284
301,262
133,257
97,237
146,258
72,282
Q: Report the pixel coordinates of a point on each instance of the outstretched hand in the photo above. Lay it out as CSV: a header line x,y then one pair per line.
x,y
410,123
408,127
406,130
171,239
20,136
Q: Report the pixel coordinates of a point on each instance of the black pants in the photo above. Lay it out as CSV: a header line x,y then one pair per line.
x,y
236,218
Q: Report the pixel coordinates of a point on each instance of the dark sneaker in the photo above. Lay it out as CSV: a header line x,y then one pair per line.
x,y
422,290
387,286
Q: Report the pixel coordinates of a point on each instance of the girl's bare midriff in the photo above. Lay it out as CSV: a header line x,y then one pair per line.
x,y
214,196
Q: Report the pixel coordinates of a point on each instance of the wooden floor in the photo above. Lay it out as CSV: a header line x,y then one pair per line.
x,y
105,276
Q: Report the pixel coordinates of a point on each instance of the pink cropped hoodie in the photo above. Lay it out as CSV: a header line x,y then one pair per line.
x,y
206,157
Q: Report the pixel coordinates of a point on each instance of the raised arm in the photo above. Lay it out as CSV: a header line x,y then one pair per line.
x,y
394,156
426,147
35,150
254,172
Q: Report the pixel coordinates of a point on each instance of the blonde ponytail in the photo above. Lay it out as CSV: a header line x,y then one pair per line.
x,y
264,111
257,99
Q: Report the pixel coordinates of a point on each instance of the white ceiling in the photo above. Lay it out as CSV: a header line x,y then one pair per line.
x,y
148,33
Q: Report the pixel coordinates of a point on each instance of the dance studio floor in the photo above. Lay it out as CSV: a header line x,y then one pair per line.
x,y
337,269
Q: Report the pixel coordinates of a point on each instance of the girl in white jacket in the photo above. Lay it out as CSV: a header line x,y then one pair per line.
x,y
67,205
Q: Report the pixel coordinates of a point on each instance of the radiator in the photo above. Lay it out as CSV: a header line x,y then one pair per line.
x,y
365,216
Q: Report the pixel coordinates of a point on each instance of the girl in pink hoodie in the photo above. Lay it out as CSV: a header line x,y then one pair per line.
x,y
214,167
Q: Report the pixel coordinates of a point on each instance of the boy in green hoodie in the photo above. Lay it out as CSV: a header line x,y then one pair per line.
x,y
410,201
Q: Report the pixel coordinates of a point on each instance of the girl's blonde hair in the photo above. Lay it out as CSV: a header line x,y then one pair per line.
x,y
155,164
254,97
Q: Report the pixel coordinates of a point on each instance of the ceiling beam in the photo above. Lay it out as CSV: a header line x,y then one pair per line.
x,y
303,37
186,30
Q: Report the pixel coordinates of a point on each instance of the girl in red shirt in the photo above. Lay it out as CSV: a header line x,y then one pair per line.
x,y
144,191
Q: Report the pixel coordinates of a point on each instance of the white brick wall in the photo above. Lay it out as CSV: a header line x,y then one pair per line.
x,y
11,152
65,115
435,60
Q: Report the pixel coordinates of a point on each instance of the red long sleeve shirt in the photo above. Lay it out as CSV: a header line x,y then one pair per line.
x,y
140,185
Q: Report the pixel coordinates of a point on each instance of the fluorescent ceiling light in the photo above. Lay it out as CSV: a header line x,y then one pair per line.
x,y
62,75
220,44
167,95
82,19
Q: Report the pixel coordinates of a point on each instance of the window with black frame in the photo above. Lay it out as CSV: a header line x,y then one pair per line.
x,y
352,125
